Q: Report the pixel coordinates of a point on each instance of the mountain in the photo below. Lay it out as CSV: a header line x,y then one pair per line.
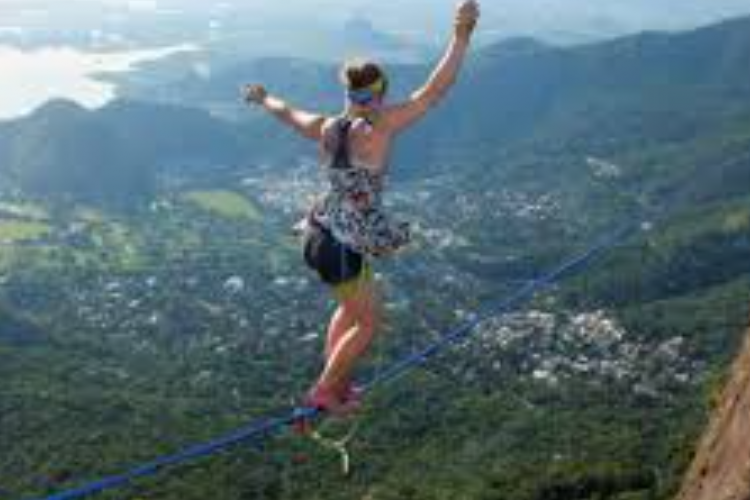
x,y
63,150
529,94
567,94
115,156
722,464
518,100
361,36
520,96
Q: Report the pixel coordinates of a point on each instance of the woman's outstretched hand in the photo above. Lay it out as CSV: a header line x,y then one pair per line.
x,y
255,94
467,16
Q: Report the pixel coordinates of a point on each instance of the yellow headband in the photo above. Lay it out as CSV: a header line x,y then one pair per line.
x,y
378,86
365,95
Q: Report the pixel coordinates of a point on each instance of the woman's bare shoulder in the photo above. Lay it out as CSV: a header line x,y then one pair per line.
x,y
328,135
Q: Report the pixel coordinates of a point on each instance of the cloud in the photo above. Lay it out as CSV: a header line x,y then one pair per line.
x,y
34,77
142,5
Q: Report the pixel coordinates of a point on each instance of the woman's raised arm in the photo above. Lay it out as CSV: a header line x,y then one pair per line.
x,y
443,76
307,124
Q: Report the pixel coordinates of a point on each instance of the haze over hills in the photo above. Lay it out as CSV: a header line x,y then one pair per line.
x,y
654,88
125,23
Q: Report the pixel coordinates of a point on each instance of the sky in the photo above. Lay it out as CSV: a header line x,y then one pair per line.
x,y
427,18
69,42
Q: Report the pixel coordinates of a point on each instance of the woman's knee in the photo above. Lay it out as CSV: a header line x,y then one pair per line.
x,y
345,315
363,314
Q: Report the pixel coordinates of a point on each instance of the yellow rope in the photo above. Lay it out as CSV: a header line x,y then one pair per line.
x,y
338,445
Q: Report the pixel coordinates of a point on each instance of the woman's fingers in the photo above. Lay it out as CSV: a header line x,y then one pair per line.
x,y
467,16
255,93
468,11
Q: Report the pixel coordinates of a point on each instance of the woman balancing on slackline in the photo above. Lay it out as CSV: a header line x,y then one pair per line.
x,y
349,228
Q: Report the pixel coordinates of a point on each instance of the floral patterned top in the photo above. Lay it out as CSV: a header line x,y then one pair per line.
x,y
352,210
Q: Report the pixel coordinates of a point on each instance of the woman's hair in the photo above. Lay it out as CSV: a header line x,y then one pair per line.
x,y
358,74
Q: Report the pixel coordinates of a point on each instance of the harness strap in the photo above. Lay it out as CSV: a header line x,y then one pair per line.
x,y
340,161
341,157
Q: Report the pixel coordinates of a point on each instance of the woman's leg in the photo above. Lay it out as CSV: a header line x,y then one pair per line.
x,y
341,322
352,343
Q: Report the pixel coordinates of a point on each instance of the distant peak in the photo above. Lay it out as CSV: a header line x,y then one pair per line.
x,y
359,24
360,30
56,107
518,46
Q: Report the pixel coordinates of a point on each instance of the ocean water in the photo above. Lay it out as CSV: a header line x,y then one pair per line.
x,y
29,78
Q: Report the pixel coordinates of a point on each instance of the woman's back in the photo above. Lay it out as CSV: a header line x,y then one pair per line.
x,y
352,208
370,142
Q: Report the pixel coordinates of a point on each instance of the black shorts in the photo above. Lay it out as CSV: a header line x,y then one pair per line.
x,y
335,263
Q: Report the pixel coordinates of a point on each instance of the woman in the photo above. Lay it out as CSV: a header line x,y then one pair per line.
x,y
349,228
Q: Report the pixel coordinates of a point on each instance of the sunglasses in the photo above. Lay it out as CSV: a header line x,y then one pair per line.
x,y
367,95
